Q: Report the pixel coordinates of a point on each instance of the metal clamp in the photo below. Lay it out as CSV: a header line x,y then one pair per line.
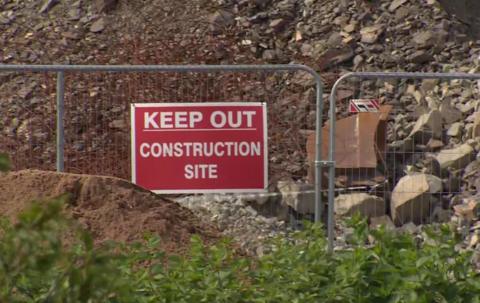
x,y
324,163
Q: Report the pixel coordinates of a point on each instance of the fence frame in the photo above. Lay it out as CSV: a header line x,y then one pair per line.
x,y
60,70
332,117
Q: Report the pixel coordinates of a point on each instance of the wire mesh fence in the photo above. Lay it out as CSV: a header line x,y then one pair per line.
x,y
410,160
27,126
96,117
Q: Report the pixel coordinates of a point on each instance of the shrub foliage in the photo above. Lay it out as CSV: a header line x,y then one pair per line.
x,y
46,257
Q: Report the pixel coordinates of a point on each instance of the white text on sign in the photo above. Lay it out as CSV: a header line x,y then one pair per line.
x,y
190,120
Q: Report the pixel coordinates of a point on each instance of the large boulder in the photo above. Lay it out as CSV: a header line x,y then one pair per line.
x,y
299,196
367,205
384,221
466,11
456,158
428,126
412,198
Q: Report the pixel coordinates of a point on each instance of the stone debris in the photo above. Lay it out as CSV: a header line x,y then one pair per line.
x,y
396,4
236,218
48,5
413,197
456,158
98,26
299,196
365,204
428,126
384,220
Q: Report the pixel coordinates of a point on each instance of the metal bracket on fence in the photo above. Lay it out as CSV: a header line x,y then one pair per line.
x,y
60,116
332,118
325,163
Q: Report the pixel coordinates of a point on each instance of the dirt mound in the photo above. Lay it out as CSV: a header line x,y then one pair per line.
x,y
111,208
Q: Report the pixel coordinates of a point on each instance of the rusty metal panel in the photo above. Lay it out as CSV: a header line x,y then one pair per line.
x,y
359,140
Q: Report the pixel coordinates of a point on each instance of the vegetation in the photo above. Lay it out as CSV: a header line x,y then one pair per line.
x,y
47,257
4,163
43,261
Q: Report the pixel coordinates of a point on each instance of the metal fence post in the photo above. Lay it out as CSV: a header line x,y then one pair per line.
x,y
318,149
60,113
331,168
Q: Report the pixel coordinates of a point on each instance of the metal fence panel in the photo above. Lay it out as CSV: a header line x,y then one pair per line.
x,y
90,119
384,154
27,124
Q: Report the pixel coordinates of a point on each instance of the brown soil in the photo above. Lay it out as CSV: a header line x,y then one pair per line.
x,y
110,208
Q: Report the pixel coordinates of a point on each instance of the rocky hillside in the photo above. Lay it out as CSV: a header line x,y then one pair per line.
x,y
325,34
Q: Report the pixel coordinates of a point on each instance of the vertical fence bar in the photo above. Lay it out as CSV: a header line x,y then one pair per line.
x,y
318,149
60,114
331,168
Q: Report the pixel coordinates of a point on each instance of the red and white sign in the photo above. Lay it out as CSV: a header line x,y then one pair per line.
x,y
364,106
199,147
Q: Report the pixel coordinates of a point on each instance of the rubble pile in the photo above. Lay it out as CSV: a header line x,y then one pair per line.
x,y
333,36
240,218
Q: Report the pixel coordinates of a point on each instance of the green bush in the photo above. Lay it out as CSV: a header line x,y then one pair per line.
x,y
4,162
46,257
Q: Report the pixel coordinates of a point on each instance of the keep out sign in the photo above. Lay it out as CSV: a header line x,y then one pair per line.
x,y
199,147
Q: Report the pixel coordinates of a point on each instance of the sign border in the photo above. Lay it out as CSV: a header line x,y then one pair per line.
x,y
205,104
374,101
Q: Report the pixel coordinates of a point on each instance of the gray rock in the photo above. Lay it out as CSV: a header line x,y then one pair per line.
x,y
456,158
449,113
428,85
396,4
277,24
7,17
48,5
409,228
420,57
74,14
220,20
435,145
98,26
476,126
466,11
335,39
119,124
430,166
371,34
424,39
455,129
303,79
299,196
269,55
441,215
385,221
428,126
413,197
366,205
